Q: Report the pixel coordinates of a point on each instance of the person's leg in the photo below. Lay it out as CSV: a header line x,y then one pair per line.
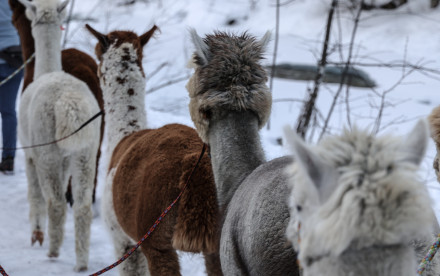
x,y
8,97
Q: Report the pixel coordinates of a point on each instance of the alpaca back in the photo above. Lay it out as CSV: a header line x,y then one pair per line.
x,y
72,105
259,228
79,105
155,164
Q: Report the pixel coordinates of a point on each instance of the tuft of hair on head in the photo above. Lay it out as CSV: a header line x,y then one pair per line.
x,y
31,7
105,42
202,52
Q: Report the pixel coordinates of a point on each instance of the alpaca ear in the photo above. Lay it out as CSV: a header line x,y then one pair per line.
x,y
416,143
62,6
31,9
101,37
146,36
322,175
202,50
264,41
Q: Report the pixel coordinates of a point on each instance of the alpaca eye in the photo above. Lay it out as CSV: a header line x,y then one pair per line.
x,y
206,114
299,208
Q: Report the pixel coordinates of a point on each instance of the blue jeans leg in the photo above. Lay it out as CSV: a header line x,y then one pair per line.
x,y
8,97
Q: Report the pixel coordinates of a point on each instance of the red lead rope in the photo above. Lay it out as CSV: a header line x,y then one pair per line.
x,y
156,223
2,271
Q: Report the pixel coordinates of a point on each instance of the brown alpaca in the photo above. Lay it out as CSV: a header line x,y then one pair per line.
x,y
434,125
74,62
148,168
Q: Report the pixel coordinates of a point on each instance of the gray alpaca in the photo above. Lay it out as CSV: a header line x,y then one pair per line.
x,y
229,103
360,204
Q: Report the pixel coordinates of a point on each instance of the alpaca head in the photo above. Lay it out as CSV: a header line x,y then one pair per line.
x,y
45,12
228,76
121,46
356,191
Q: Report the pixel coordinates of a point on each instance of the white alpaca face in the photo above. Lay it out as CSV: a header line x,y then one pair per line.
x,y
356,191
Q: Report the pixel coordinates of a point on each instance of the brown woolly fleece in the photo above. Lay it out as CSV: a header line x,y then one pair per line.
x,y
227,81
434,125
152,167
73,61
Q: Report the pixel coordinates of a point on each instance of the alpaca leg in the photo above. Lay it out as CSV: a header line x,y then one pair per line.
x,y
136,264
83,173
162,261
52,187
37,205
212,264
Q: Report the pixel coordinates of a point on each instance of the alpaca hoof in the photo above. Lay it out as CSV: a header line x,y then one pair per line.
x,y
53,254
80,268
37,236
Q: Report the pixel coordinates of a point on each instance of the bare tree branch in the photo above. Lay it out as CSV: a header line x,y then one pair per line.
x,y
306,114
275,50
397,64
384,94
165,84
344,74
157,70
288,100
66,30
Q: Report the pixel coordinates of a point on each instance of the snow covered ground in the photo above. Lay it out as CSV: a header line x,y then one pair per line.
x,y
408,34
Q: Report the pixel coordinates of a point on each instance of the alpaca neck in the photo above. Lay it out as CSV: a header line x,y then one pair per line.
x,y
235,151
392,260
47,49
123,85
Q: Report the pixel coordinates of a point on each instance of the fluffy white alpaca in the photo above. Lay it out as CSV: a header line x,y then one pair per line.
x,y
54,105
360,204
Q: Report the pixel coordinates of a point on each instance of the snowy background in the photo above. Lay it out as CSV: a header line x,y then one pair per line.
x,y
409,34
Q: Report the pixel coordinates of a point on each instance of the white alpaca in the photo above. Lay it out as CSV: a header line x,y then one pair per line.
x,y
360,204
54,105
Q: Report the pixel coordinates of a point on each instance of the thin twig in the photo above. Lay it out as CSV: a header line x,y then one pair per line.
x,y
288,100
347,105
272,72
157,70
391,65
306,114
384,94
344,73
165,84
69,18
405,73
